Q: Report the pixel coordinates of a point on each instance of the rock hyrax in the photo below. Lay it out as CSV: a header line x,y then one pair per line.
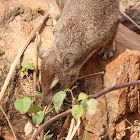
x,y
83,27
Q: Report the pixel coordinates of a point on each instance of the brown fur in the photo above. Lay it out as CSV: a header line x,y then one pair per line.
x,y
83,27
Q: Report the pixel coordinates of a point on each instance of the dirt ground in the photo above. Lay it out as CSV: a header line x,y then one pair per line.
x,y
17,20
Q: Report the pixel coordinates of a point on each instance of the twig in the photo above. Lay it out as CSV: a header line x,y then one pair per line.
x,y
47,109
130,19
70,129
116,87
42,135
135,132
132,126
29,119
3,89
128,122
35,62
50,121
72,98
37,43
75,129
85,76
8,121
64,128
89,75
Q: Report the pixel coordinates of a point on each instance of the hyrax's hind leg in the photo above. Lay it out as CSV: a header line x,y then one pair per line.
x,y
108,48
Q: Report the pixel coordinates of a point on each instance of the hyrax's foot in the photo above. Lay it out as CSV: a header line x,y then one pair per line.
x,y
107,51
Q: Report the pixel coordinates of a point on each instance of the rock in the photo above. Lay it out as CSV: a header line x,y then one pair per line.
x,y
117,106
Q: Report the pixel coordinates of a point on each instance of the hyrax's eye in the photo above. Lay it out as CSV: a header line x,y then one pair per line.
x,y
56,87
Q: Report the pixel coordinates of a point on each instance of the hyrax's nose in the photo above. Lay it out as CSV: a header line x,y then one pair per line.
x,y
46,100
43,102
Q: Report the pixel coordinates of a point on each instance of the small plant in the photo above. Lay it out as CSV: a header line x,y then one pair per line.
x,y
26,105
26,66
82,105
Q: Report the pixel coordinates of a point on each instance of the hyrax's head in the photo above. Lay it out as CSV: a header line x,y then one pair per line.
x,y
57,73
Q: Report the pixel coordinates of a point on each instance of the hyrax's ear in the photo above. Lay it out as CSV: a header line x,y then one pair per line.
x,y
68,60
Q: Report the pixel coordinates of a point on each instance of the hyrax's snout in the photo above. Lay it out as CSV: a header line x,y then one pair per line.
x,y
45,100
49,93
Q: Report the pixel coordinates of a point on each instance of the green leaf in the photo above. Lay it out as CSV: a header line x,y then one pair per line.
x,y
21,73
85,106
45,120
58,100
90,96
23,105
82,96
21,97
38,94
31,96
89,106
26,72
67,89
35,109
77,111
92,106
48,137
73,88
37,119
47,133
27,65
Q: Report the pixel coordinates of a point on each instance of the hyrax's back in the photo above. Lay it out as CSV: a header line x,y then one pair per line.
x,y
86,25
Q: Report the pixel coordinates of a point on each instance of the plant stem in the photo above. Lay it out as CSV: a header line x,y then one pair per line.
x,y
50,121
116,87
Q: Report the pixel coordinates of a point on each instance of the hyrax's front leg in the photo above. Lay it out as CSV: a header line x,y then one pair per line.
x,y
109,45
108,48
